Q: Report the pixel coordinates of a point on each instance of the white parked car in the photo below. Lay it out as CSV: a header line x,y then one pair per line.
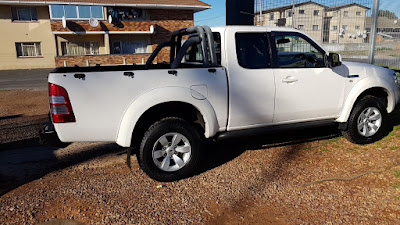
x,y
221,83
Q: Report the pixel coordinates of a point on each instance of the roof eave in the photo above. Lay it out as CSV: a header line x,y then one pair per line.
x,y
196,8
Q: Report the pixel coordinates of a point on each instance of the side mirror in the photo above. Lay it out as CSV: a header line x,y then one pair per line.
x,y
334,60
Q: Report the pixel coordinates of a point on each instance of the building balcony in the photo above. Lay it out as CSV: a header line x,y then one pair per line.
x,y
83,27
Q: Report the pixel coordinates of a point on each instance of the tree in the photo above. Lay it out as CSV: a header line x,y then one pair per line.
x,y
388,14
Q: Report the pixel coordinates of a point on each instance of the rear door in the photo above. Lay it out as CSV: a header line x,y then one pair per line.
x,y
251,79
306,89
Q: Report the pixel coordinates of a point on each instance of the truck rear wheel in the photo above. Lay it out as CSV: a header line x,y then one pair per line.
x,y
368,121
170,150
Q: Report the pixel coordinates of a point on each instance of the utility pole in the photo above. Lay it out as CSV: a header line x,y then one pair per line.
x,y
260,19
240,12
293,13
374,26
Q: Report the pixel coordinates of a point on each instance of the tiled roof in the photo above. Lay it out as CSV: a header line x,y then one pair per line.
x,y
286,7
327,8
334,8
141,3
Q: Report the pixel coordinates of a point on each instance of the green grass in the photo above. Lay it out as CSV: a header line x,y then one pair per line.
x,y
397,186
333,140
396,173
383,49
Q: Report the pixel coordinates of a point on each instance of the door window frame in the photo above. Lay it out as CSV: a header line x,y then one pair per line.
x,y
275,58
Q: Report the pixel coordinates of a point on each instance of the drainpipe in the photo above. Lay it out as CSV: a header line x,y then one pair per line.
x,y
374,25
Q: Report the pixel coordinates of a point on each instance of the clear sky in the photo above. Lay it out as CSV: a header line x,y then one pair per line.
x,y
216,15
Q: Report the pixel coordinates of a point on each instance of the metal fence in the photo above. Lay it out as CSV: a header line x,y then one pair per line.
x,y
343,26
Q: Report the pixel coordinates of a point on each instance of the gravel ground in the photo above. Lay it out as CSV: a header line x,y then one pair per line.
x,y
311,176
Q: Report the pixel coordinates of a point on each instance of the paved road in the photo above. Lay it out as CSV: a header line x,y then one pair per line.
x,y
24,79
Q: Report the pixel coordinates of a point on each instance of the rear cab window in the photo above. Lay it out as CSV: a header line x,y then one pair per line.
x,y
252,50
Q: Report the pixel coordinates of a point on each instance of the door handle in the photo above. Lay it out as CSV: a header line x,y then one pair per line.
x,y
80,76
289,80
129,74
212,70
173,72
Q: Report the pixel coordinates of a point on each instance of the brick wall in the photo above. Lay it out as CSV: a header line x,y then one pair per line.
x,y
101,59
168,21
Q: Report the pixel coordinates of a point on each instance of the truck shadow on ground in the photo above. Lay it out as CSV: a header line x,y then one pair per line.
x,y
221,152
23,165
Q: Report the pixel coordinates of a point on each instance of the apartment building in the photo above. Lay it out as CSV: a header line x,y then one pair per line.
x,y
339,24
45,34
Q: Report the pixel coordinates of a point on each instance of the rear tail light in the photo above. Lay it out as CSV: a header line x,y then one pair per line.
x,y
60,105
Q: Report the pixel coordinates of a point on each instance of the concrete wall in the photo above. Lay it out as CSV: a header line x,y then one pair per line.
x,y
351,21
308,20
13,32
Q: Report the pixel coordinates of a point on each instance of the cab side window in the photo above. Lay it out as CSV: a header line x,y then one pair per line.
x,y
296,52
252,50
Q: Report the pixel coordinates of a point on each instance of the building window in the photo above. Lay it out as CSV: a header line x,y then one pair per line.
x,y
28,49
344,27
334,13
76,12
358,13
289,13
129,47
126,14
315,27
80,48
316,12
302,11
334,28
271,16
357,27
346,13
24,14
301,27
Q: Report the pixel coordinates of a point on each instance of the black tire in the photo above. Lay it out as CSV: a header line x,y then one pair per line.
x,y
352,133
151,139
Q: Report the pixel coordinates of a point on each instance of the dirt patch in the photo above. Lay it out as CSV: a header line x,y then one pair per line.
x,y
311,176
23,103
22,114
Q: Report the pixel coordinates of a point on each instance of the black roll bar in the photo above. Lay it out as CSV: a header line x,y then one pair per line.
x,y
204,36
182,52
155,53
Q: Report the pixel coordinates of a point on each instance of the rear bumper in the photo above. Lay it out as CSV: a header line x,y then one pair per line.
x,y
48,136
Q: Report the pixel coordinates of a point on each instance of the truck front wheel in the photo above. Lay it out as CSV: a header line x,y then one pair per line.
x,y
368,121
170,150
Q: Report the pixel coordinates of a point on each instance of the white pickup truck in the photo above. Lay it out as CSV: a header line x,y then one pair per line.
x,y
219,83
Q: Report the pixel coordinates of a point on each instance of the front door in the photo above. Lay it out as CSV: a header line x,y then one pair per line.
x,y
306,89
